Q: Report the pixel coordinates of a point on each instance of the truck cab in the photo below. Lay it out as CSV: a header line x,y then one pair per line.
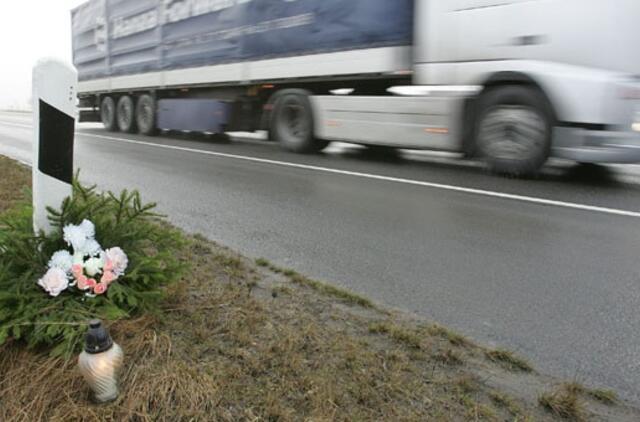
x,y
543,78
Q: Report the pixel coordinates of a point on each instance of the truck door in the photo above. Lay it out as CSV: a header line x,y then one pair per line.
x,y
498,29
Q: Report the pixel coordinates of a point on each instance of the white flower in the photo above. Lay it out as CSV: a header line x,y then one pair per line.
x,y
93,266
54,281
61,259
88,228
75,236
118,260
92,247
78,258
80,237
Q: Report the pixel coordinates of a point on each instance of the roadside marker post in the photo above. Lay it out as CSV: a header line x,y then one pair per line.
x,y
54,109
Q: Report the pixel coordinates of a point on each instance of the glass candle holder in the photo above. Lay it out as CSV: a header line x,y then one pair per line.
x,y
100,362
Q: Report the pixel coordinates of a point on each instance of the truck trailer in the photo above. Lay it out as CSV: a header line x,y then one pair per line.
x,y
512,82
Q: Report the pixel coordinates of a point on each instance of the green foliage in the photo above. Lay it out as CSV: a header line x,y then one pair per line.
x,y
29,314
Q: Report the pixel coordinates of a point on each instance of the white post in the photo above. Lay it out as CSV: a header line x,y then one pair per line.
x,y
54,110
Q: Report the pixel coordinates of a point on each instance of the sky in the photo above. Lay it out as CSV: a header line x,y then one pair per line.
x,y
30,30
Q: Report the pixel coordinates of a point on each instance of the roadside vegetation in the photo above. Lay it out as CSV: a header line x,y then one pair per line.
x,y
508,360
240,339
568,400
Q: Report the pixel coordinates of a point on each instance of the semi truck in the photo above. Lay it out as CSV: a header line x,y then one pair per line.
x,y
511,82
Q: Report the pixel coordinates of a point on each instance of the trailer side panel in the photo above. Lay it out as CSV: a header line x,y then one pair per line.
x,y
113,38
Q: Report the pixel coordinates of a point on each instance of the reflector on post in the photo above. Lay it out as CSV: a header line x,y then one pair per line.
x,y
54,99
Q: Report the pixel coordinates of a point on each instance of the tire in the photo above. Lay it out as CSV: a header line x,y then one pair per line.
x,y
513,130
108,114
292,123
146,115
125,114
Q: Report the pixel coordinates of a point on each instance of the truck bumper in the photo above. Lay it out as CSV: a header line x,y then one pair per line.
x,y
596,146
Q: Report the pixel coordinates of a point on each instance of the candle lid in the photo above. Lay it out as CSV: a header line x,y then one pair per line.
x,y
97,339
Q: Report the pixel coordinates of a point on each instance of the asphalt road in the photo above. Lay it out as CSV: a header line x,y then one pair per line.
x,y
548,267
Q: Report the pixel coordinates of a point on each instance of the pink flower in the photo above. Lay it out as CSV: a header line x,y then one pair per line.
x,y
85,283
108,277
116,260
76,270
100,288
108,264
54,281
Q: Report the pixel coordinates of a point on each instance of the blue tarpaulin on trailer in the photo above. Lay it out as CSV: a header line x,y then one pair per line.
x,y
119,37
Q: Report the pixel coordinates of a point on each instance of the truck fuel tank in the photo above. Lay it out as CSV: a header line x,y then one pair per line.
x,y
197,115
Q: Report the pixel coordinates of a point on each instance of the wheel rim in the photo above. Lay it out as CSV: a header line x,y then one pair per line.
x,y
512,132
294,120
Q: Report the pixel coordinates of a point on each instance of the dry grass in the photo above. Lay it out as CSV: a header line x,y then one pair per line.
x,y
324,288
449,357
330,290
466,383
453,337
603,395
607,397
508,360
468,389
261,262
565,403
402,335
37,387
14,178
505,401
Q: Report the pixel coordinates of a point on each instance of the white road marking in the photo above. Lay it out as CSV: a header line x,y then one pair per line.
x,y
452,188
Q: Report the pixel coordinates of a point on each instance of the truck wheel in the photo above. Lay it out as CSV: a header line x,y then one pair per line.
x,y
125,114
146,115
292,124
513,130
108,114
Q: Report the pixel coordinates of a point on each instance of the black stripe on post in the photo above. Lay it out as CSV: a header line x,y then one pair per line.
x,y
55,157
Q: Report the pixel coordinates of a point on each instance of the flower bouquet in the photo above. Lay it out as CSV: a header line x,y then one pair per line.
x,y
51,284
87,268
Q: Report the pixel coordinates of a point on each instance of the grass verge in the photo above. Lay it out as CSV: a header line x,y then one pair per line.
x,y
14,178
